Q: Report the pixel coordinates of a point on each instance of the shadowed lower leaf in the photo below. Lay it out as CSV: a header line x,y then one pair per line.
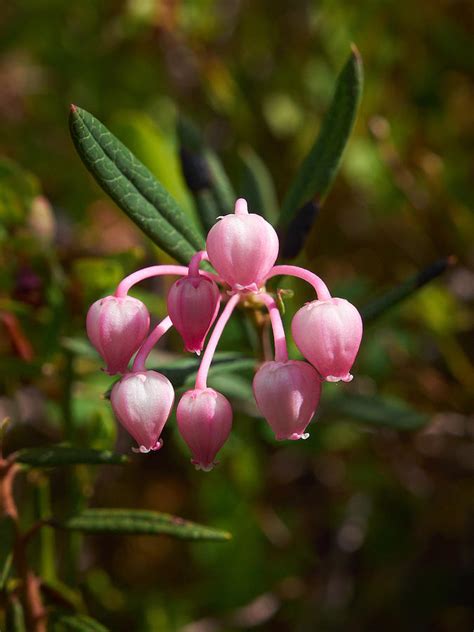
x,y
399,293
136,521
63,455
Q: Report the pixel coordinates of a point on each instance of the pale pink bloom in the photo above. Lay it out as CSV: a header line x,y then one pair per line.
x,y
142,403
242,247
204,420
328,333
117,327
287,395
193,303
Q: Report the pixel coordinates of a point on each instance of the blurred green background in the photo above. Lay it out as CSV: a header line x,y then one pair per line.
x,y
364,525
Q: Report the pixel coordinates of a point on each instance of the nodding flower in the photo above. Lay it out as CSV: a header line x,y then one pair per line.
x,y
242,248
193,303
116,327
328,334
287,395
204,419
142,402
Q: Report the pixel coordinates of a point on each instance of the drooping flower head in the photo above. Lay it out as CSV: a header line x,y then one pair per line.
x,y
242,247
117,326
328,334
204,420
287,395
142,403
193,303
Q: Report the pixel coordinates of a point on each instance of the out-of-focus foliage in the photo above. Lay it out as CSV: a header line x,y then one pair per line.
x,y
365,525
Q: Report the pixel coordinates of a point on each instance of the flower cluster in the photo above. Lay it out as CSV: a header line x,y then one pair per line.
x,y
242,248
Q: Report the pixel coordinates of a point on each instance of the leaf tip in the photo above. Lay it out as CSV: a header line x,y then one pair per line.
x,y
356,53
73,108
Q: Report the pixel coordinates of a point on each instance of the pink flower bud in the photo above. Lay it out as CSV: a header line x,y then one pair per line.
x,y
242,247
117,327
193,303
142,403
287,395
328,334
204,420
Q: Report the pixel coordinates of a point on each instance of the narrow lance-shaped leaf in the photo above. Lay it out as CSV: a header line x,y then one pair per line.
x,y
319,168
133,187
54,456
399,293
136,521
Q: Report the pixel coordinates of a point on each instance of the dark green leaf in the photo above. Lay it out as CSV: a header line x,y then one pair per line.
x,y
399,293
320,166
135,521
63,455
257,186
133,187
378,411
77,623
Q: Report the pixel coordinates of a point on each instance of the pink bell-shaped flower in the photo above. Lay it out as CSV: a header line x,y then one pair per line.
x,y
287,395
204,420
193,303
328,334
117,326
242,247
142,403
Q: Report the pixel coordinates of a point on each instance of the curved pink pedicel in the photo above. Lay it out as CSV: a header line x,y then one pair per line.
x,y
142,403
204,419
287,395
328,334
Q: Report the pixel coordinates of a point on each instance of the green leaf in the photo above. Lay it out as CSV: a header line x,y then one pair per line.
x,y
378,411
137,521
77,623
320,166
133,187
7,538
64,455
257,185
15,616
399,293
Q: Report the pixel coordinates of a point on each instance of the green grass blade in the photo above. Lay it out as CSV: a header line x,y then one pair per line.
x,y
133,187
137,521
399,293
319,168
63,455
